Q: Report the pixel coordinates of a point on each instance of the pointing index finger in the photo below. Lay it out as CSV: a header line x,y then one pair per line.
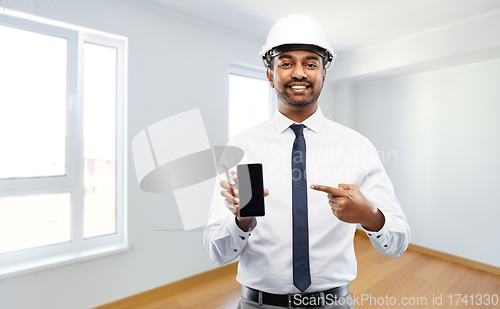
x,y
330,190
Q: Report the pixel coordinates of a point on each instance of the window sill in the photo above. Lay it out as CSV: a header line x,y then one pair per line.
x,y
22,268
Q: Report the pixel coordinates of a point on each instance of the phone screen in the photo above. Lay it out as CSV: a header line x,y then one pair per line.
x,y
250,190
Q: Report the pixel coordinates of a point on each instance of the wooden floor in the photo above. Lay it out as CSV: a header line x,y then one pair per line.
x,y
407,281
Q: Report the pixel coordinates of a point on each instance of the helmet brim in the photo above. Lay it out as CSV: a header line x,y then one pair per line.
x,y
328,58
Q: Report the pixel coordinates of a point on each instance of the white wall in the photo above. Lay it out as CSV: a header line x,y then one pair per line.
x,y
175,64
326,100
445,128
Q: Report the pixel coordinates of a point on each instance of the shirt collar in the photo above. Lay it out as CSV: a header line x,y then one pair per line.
x,y
314,122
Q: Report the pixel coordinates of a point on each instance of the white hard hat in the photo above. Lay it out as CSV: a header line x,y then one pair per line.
x,y
298,32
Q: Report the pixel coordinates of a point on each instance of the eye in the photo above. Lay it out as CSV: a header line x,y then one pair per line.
x,y
311,65
285,64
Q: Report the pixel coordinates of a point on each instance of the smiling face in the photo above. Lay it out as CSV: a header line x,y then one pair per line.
x,y
298,78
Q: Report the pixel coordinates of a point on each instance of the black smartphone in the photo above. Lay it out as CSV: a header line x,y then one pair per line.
x,y
250,190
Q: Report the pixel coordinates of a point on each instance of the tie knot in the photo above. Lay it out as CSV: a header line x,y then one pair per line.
x,y
298,128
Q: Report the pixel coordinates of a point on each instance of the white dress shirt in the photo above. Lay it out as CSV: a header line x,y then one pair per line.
x,y
334,154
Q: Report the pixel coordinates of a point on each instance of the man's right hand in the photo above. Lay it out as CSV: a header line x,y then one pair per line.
x,y
232,201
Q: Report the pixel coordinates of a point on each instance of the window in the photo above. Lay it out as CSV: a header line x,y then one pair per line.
x,y
251,99
62,144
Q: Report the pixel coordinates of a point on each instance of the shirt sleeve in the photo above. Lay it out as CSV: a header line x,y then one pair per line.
x,y
222,237
393,238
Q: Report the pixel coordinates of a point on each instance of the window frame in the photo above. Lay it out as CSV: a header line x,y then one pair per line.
x,y
71,91
78,248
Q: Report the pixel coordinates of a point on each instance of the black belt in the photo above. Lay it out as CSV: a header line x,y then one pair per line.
x,y
308,300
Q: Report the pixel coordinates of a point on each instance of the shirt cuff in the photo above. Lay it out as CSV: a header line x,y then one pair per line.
x,y
382,236
238,237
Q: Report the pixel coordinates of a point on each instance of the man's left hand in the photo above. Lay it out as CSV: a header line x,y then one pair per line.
x,y
349,205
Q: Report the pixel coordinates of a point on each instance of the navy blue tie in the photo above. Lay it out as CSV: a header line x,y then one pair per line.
x,y
301,270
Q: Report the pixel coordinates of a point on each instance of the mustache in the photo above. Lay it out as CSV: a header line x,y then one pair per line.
x,y
296,80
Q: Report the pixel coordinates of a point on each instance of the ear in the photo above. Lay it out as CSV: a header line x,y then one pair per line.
x,y
270,77
324,74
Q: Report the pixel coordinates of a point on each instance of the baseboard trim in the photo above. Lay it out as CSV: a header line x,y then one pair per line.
x,y
177,286
448,257
171,288
453,258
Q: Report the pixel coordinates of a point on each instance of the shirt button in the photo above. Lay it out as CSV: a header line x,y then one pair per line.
x,y
235,250
243,238
378,236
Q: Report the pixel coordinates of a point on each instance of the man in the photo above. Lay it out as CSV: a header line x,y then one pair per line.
x,y
321,178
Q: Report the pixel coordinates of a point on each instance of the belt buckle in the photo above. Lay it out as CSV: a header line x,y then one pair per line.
x,y
290,301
